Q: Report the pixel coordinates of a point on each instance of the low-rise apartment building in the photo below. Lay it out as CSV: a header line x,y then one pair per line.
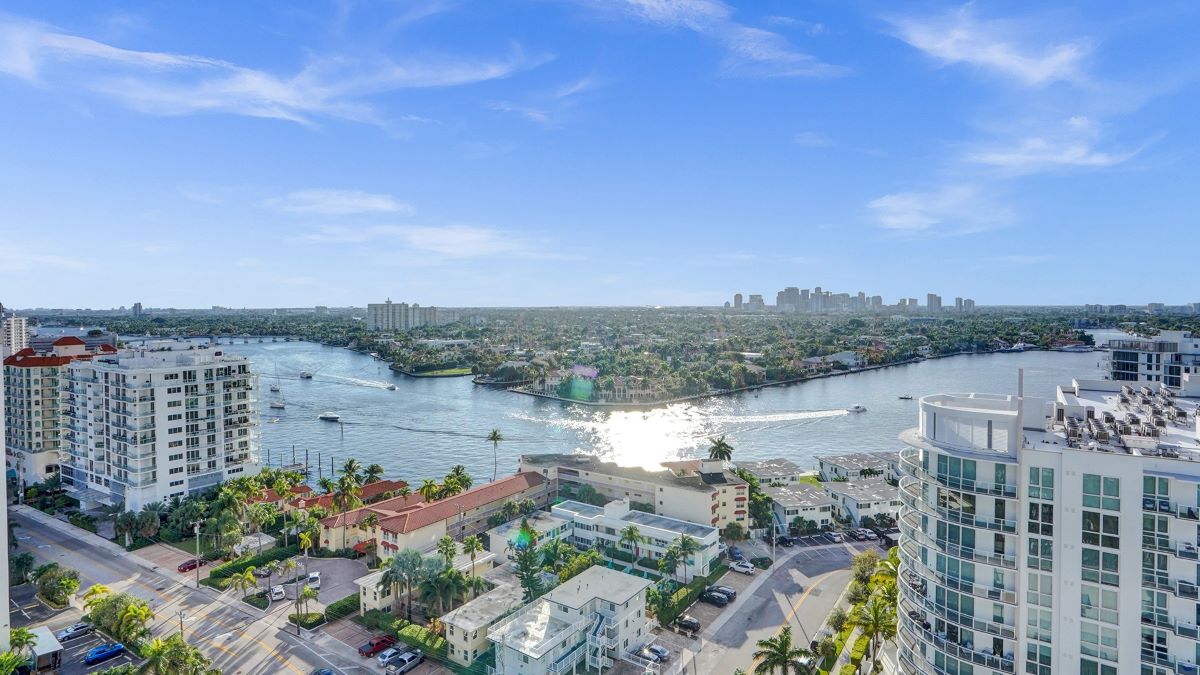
x,y
772,471
506,540
864,497
467,627
801,501
698,491
594,524
591,620
859,465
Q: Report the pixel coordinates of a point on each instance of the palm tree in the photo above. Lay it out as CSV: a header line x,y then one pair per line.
x,y
346,497
126,524
283,487
326,484
305,595
404,491
778,655
157,655
372,474
11,661
243,581
272,569
368,523
306,540
94,595
131,624
876,619
461,478
402,569
472,546
447,549
720,449
494,438
287,570
687,548
21,639
668,564
429,490
630,534
352,470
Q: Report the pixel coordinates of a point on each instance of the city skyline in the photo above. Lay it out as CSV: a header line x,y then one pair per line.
x,y
600,153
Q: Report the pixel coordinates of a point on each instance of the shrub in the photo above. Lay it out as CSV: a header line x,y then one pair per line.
x,y
420,636
859,649
837,619
123,669
761,563
233,567
344,607
258,600
858,593
307,621
377,619
848,669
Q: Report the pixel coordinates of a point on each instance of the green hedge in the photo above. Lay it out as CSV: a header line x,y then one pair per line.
x,y
258,600
307,621
344,607
848,669
419,636
377,619
859,649
226,570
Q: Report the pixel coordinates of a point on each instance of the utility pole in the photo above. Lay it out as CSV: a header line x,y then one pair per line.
x,y
196,531
181,637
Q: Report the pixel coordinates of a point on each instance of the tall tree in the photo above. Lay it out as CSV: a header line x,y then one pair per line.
x,y
447,548
20,640
402,570
372,474
352,469
459,473
630,534
777,654
876,619
429,490
688,547
720,449
472,546
494,438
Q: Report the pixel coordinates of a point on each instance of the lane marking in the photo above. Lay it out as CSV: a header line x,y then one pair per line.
x,y
796,607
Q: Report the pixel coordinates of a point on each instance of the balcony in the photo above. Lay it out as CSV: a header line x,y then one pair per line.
x,y
957,617
1159,505
916,574
911,499
910,462
917,631
957,550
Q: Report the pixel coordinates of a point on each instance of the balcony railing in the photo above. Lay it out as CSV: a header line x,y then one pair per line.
x,y
918,632
909,459
957,550
956,617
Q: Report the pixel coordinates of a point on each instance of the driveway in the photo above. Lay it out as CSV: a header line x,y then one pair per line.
x,y
167,558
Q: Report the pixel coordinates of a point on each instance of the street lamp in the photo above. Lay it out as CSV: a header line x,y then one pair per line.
x,y
195,531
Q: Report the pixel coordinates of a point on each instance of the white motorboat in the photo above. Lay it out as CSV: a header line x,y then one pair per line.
x,y
305,375
856,408
277,405
391,387
274,387
330,417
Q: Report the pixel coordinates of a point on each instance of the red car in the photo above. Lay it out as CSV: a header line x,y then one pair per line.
x,y
189,565
376,645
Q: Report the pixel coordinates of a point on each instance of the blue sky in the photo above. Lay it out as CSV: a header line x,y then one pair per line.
x,y
596,152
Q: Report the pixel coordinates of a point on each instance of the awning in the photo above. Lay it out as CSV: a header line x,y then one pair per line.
x,y
364,546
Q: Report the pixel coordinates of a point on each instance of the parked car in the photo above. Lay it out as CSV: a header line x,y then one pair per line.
x,y
714,599
102,653
323,671
263,572
661,652
743,567
405,662
688,623
387,654
73,631
854,534
835,537
314,580
376,645
786,542
723,590
650,655
277,593
735,553
189,565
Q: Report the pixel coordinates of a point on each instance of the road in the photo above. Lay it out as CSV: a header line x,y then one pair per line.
x,y
799,590
239,641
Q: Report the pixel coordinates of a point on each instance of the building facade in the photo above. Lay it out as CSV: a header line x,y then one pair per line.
x,y
34,429
1051,536
144,427
1165,358
592,620
15,333
400,316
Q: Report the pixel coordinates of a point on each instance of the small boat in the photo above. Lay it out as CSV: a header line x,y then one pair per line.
x,y
277,405
391,387
305,375
905,397
274,387
330,417
856,408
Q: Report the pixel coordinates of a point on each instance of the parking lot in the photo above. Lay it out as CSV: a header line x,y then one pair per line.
x,y
167,558
74,651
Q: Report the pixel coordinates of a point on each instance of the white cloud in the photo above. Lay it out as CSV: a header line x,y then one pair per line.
x,y
445,242
750,51
1035,154
337,203
812,139
17,260
528,112
951,210
958,37
165,83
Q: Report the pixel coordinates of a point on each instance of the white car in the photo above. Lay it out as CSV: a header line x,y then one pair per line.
x,y
277,593
314,580
743,567
835,537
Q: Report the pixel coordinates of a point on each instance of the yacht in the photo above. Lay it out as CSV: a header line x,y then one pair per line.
x,y
305,375
856,408
277,405
391,387
905,397
330,417
274,387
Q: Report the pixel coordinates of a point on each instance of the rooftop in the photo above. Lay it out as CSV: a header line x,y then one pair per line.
x,y
486,609
857,461
642,518
685,474
534,631
871,490
427,513
598,582
799,496
771,468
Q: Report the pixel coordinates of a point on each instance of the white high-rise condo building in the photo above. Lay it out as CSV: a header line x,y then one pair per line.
x,y
390,316
144,427
1164,358
15,334
1052,536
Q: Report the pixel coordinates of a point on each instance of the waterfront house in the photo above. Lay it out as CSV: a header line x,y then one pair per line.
x,y
865,497
801,500
772,471
859,465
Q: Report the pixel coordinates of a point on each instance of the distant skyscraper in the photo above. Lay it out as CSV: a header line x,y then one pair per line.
x,y
389,316
756,302
737,301
16,334
958,304
968,305
137,309
933,302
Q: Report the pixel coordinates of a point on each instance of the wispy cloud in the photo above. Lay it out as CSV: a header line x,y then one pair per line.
x,y
166,83
951,210
749,51
445,242
549,107
337,203
1068,144
1002,47
528,112
15,259
813,28
812,139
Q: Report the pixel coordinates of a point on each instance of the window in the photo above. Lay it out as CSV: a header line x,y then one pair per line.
x,y
1037,659
1098,603
1101,492
1041,483
1101,529
1096,640
1101,566
1041,554
1092,668
1041,519
1039,624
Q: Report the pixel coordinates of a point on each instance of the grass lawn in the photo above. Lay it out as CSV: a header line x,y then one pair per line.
x,y
188,546
445,372
811,480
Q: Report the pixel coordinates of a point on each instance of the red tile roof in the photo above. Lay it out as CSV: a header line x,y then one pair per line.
x,y
68,340
369,492
429,513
